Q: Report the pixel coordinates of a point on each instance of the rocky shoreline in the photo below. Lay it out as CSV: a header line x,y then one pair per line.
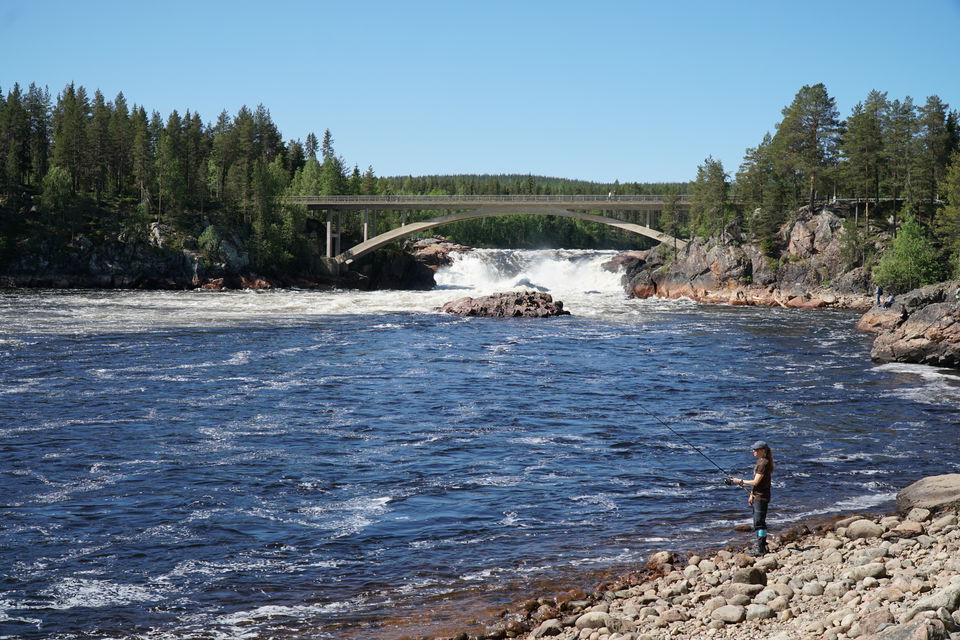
x,y
870,577
921,326
810,273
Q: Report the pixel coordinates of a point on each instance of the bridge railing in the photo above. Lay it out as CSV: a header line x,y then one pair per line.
x,y
433,199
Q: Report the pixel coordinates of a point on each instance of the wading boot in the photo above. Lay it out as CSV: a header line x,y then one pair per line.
x,y
761,543
762,546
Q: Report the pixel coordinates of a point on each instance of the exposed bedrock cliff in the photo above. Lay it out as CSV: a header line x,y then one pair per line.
x,y
922,327
723,269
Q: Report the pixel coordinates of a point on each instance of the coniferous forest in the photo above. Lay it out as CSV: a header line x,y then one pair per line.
x,y
80,170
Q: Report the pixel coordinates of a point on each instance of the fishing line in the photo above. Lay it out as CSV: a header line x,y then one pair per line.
x,y
726,474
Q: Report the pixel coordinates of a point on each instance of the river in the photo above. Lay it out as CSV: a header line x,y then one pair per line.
x,y
341,465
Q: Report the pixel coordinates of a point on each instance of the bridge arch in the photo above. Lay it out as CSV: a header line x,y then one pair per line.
x,y
393,235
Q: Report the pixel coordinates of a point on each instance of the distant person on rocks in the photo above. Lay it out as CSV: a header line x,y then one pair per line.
x,y
879,293
889,301
760,493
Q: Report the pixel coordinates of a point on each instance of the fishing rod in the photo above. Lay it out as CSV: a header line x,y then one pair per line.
x,y
726,474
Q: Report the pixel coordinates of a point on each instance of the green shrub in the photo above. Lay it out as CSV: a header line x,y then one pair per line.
x,y
911,261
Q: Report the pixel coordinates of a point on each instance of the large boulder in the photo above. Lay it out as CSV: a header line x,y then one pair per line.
x,y
511,304
933,492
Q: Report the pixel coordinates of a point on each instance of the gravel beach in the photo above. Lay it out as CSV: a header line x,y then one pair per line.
x,y
867,577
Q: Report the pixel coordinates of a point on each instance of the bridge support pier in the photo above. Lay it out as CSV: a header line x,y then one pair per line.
x,y
333,232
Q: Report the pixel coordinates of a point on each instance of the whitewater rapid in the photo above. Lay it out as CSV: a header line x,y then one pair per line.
x,y
577,278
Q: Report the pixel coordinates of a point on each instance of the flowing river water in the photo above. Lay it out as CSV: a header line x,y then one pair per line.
x,y
341,465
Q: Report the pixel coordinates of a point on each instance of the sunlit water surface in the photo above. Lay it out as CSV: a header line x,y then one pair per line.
x,y
348,465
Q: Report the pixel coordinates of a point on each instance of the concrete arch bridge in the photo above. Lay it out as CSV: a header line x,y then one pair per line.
x,y
459,208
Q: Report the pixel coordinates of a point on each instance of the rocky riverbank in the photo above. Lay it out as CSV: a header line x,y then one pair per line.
x,y
724,269
867,577
164,261
922,326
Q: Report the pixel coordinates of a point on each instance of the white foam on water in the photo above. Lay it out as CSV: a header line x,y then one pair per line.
x,y
864,502
72,593
606,502
350,516
575,277
510,519
274,612
936,386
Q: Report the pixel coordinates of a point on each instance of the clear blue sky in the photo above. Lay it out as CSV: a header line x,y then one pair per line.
x,y
598,90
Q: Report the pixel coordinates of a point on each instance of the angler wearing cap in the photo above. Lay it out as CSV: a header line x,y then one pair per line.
x,y
760,491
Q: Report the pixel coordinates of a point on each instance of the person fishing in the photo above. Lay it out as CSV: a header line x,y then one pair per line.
x,y
760,491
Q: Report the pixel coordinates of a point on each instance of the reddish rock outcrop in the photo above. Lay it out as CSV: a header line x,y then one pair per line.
x,y
435,252
924,330
512,304
723,269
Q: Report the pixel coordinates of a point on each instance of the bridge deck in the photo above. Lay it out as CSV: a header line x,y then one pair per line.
x,y
576,202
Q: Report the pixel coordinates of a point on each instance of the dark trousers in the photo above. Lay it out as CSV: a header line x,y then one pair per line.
x,y
760,514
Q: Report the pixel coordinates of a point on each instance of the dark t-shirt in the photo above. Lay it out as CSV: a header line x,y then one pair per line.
x,y
762,490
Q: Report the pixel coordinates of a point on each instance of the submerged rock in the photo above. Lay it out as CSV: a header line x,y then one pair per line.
x,y
513,304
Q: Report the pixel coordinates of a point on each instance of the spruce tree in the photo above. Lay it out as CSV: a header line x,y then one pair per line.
x,y
38,111
947,221
709,210
311,146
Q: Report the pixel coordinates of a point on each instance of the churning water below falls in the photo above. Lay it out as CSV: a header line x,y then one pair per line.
x,y
300,464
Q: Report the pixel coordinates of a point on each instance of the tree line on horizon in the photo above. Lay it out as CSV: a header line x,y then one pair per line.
x,y
82,166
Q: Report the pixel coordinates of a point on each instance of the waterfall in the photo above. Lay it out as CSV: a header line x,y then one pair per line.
x,y
560,272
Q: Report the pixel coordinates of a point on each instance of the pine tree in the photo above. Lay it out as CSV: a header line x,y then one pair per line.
x,y
808,135
100,146
863,146
933,154
169,168
901,148
121,139
195,152
142,156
